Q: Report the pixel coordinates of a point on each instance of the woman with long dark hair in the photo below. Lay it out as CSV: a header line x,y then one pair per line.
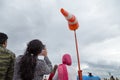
x,y
34,64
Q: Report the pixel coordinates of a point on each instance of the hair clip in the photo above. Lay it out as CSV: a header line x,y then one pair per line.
x,y
31,54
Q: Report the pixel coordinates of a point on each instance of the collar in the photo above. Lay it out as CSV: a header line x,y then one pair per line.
x,y
41,57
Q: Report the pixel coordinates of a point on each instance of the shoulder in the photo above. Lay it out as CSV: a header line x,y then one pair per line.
x,y
10,53
6,53
40,62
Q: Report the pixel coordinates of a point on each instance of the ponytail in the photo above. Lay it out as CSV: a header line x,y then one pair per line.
x,y
27,66
29,60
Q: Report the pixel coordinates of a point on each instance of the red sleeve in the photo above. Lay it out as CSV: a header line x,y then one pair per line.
x,y
51,76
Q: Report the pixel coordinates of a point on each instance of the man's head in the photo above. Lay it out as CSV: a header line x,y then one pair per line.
x,y
90,74
3,39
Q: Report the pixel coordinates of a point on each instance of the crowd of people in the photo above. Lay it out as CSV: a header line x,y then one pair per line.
x,y
34,63
111,78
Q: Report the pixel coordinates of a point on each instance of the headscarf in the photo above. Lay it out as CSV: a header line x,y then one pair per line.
x,y
62,69
66,59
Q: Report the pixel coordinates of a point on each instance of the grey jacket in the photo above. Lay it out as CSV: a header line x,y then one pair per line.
x,y
43,67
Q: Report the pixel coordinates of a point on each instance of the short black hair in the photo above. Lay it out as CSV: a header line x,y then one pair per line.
x,y
3,38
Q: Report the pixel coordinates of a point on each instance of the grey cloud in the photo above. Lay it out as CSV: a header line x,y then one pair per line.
x,y
25,20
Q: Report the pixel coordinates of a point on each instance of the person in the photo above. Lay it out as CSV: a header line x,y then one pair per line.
x,y
112,78
53,72
34,64
90,74
117,78
65,71
7,59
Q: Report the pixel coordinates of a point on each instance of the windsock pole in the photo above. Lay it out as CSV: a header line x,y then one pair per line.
x,y
79,70
73,25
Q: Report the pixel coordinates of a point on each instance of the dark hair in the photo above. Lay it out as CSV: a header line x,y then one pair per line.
x,y
29,59
90,74
3,38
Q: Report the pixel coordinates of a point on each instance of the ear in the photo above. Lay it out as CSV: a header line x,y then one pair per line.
x,y
5,44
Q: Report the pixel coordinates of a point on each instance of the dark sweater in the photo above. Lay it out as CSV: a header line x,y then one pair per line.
x,y
43,67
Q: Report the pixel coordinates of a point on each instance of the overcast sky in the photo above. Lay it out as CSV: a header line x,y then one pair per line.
x,y
98,34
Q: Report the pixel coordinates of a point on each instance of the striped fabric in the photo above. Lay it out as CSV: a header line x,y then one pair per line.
x,y
6,64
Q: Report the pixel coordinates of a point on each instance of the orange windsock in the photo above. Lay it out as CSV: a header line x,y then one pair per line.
x,y
72,21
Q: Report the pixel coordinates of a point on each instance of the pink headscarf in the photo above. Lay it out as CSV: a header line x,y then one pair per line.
x,y
62,69
66,59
